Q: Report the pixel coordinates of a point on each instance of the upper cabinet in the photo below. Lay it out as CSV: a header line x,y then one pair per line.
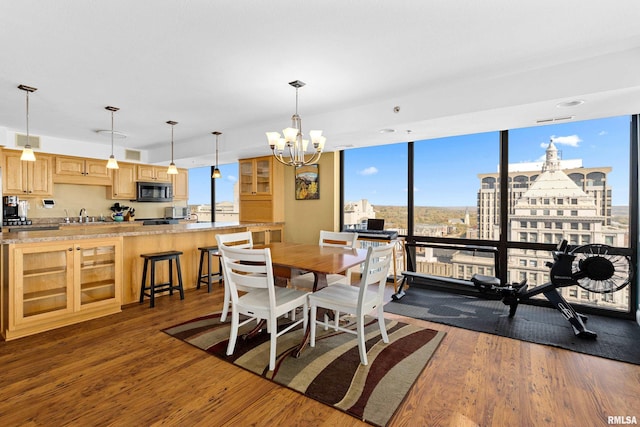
x,y
124,182
78,170
256,177
261,190
150,173
26,179
181,185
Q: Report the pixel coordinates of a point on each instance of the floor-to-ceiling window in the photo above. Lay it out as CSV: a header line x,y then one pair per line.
x,y
375,186
457,210
225,193
569,181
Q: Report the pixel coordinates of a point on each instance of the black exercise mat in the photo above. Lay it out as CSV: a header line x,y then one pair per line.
x,y
618,339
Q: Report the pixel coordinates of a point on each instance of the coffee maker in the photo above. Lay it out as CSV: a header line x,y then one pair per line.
x,y
14,211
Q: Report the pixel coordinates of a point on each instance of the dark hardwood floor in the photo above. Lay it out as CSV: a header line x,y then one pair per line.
x,y
122,370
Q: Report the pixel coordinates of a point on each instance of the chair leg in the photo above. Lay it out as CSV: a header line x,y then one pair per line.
x,y
225,304
233,336
274,339
361,345
383,327
305,314
312,325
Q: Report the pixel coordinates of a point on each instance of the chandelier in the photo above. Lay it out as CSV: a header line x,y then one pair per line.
x,y
27,152
293,144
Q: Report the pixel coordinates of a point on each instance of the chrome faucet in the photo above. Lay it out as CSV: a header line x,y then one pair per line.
x,y
82,213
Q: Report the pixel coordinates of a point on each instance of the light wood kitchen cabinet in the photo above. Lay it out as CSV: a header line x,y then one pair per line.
x,y
26,179
78,170
181,185
124,182
263,235
54,284
256,177
261,190
150,173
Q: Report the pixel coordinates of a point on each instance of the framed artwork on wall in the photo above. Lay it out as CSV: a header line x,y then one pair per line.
x,y
307,182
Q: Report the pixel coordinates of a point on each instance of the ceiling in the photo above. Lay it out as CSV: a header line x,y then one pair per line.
x,y
454,67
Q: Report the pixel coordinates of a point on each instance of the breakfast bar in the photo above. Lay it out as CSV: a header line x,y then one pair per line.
x,y
53,278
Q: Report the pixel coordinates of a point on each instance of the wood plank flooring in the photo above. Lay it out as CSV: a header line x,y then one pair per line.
x,y
121,370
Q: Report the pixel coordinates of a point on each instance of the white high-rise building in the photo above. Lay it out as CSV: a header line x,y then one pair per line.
x,y
547,206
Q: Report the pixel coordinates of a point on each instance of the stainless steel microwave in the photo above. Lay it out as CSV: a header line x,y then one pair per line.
x,y
154,192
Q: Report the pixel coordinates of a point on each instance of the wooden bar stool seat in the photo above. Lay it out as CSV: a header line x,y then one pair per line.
x,y
209,276
153,288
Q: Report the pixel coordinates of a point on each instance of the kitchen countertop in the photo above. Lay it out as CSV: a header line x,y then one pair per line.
x,y
88,231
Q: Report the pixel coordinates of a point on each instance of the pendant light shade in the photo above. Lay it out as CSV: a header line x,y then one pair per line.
x,y
216,171
112,163
27,152
172,166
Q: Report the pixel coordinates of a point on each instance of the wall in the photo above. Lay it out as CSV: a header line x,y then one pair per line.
x,y
305,218
94,199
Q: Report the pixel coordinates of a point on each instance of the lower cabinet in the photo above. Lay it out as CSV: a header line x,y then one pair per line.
x,y
53,284
263,235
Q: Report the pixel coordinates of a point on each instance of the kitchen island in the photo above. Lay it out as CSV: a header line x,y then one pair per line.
x,y
58,277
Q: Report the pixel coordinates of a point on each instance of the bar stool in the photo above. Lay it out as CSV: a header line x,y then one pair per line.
x,y
154,287
208,278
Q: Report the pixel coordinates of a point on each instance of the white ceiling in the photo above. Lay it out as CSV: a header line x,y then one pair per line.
x,y
453,67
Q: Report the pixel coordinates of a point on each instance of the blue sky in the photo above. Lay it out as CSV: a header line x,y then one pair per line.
x,y
446,170
199,179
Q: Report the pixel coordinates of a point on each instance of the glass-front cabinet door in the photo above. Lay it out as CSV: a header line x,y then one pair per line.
x,y
98,272
44,280
263,176
255,177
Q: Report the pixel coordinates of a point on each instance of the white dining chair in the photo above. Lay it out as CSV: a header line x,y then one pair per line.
x,y
357,300
347,240
252,270
243,240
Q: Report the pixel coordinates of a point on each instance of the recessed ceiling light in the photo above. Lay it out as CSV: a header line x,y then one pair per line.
x,y
387,130
573,103
107,132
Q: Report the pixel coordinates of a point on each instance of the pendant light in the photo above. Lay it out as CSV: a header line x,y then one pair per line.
x,y
172,166
27,152
216,171
112,163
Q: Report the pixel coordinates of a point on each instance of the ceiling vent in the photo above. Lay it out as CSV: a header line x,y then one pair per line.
x,y
132,155
21,141
555,119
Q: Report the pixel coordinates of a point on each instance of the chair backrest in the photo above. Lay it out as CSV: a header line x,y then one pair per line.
x,y
243,239
247,270
376,270
338,239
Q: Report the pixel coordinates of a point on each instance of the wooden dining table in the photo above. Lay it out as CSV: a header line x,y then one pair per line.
x,y
320,260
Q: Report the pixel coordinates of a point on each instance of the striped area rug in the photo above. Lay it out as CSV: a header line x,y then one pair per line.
x,y
331,371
